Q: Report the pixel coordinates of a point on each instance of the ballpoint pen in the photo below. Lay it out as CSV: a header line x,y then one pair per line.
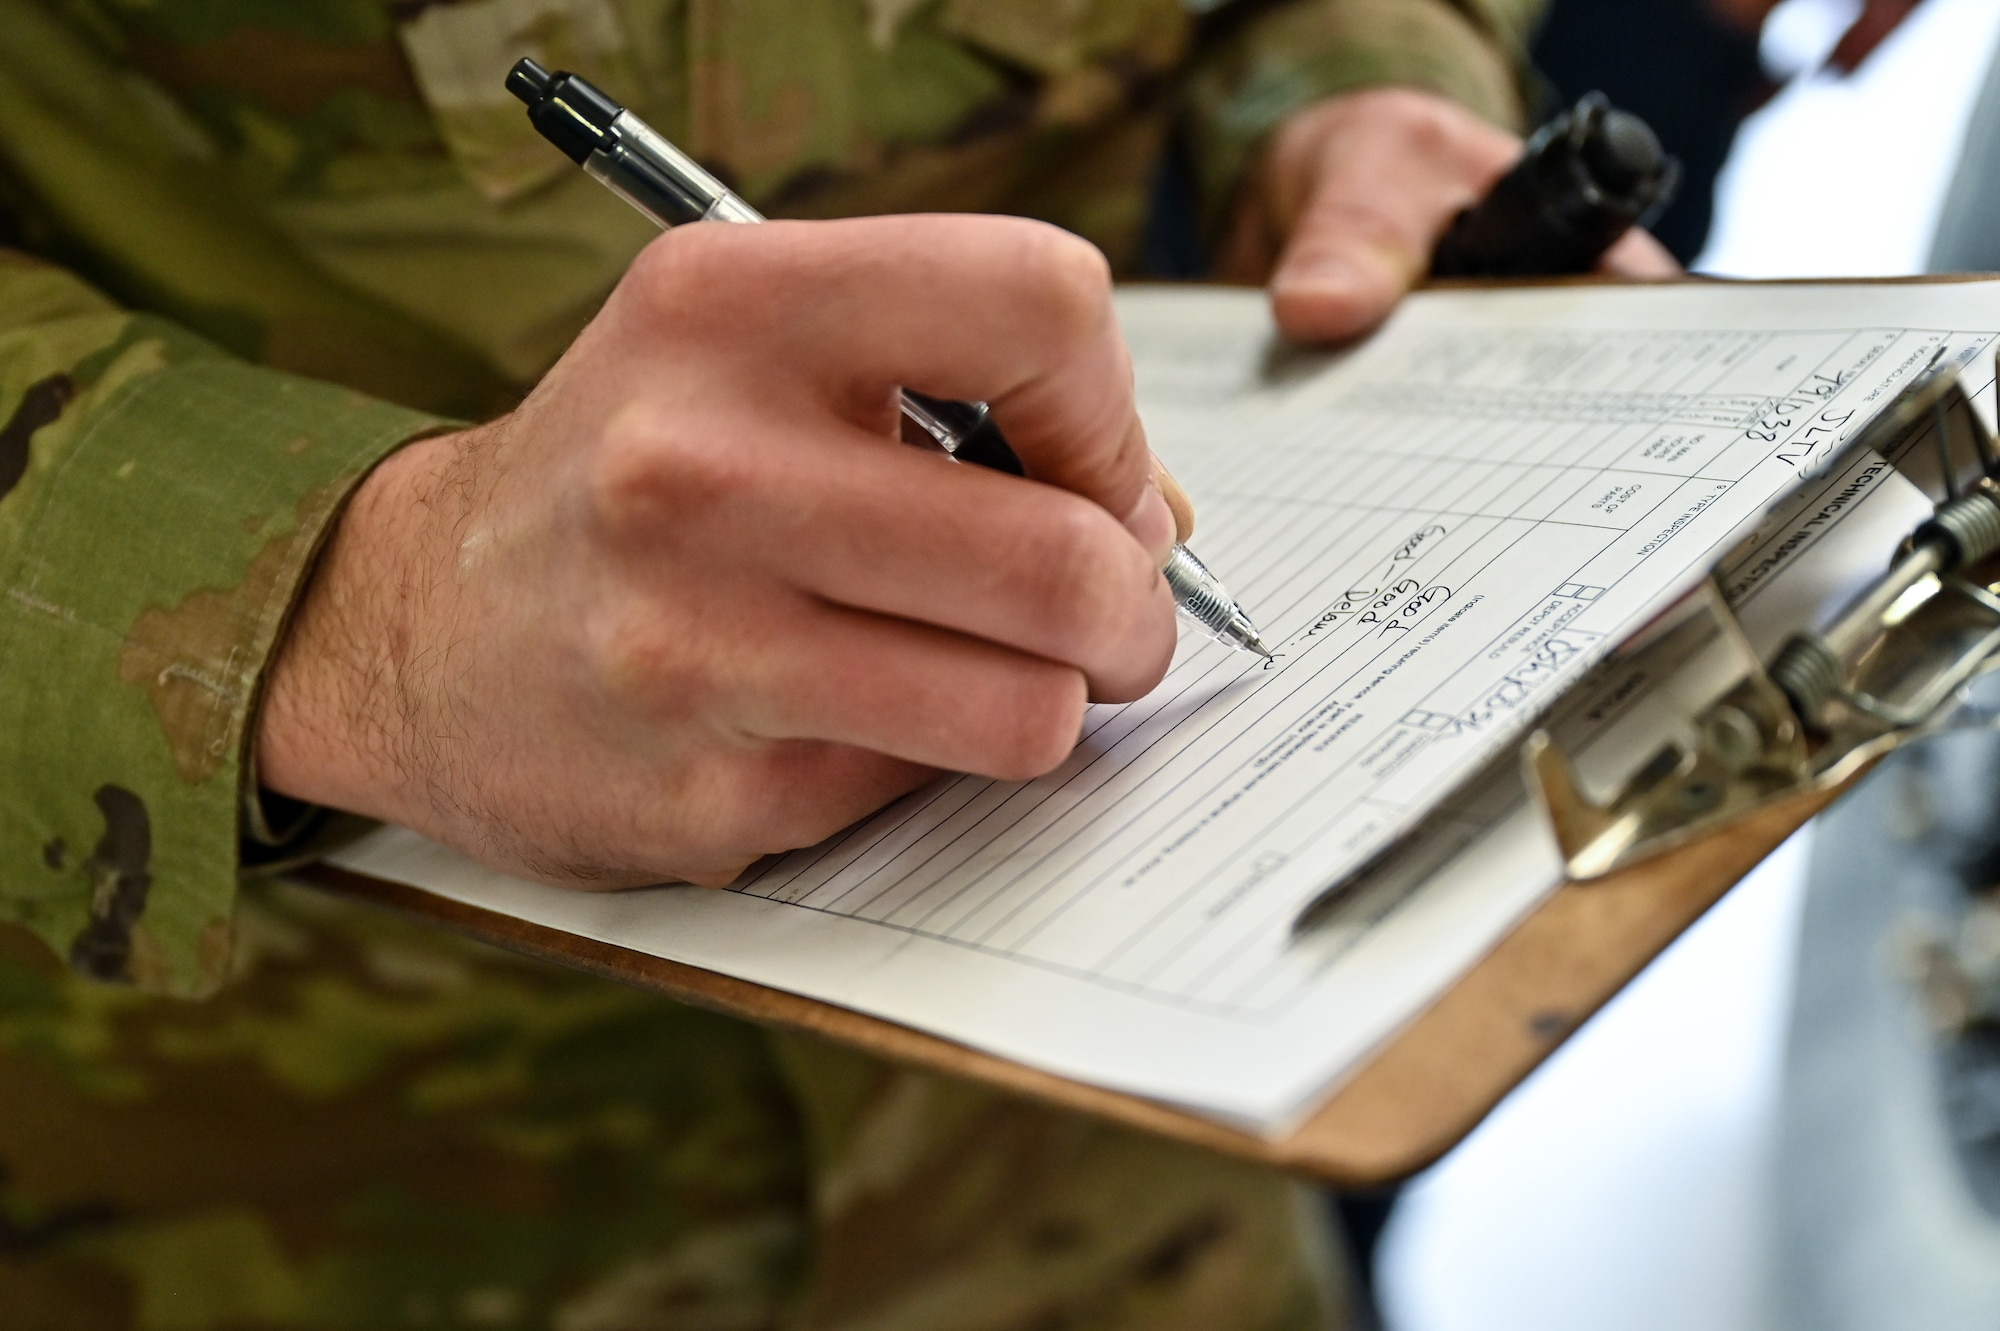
x,y
635,162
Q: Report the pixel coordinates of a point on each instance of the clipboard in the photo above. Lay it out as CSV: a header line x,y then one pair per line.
x,y
1645,861
1408,1103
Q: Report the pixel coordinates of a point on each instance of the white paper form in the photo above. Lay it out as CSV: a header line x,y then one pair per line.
x,y
1440,533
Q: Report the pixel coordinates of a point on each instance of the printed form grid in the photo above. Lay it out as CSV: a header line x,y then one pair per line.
x,y
1516,483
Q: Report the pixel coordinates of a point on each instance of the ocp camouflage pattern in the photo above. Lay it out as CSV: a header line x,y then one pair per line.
x,y
248,248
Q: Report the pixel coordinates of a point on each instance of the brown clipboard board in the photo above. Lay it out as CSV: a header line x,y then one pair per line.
x,y
1412,1099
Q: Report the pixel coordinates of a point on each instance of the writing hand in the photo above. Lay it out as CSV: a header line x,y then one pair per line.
x,y
692,603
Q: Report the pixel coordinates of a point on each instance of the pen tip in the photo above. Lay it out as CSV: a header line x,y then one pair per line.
x,y
1256,644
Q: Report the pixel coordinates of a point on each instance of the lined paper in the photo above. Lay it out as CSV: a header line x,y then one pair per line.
x,y
1441,534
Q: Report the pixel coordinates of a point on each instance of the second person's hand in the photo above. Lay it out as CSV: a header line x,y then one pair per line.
x,y
1350,197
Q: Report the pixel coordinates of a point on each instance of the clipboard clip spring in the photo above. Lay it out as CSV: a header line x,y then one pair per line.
x,y
1891,668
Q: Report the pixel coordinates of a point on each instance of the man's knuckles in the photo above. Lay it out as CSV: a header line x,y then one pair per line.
x,y
650,465
1094,598
671,288
1053,284
1027,725
1081,580
1067,284
650,663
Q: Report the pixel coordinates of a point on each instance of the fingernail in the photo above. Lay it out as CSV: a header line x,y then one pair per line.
x,y
1323,275
1177,499
1152,522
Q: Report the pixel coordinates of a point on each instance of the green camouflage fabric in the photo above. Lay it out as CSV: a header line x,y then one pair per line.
x,y
247,248
375,1127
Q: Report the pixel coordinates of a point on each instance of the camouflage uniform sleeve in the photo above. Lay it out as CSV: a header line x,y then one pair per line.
x,y
160,506
1289,55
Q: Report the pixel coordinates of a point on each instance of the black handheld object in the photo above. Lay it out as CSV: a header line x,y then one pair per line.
x,y
1584,180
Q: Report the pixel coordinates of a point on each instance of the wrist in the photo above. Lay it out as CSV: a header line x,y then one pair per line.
x,y
339,693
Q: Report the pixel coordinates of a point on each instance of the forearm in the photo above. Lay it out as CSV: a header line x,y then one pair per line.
x,y
356,665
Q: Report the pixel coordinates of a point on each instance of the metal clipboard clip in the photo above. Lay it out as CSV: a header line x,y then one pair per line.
x,y
1891,667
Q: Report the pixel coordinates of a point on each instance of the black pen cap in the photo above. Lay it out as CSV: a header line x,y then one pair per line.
x,y
569,111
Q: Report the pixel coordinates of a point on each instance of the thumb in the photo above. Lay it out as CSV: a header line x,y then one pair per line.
x,y
1346,266
1385,176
